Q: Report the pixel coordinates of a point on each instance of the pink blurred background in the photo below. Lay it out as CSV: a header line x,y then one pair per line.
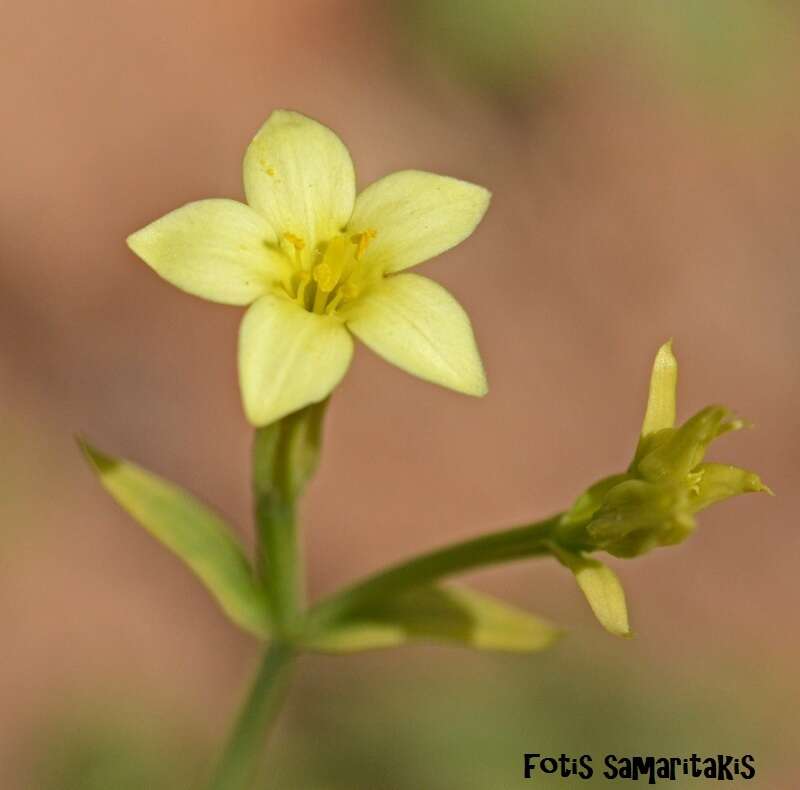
x,y
645,170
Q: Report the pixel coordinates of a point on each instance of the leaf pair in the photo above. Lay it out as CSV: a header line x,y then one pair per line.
x,y
207,545
651,504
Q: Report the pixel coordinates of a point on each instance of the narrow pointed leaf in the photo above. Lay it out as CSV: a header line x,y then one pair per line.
x,y
436,614
190,530
602,589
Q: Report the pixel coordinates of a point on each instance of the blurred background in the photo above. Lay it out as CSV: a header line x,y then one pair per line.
x,y
645,164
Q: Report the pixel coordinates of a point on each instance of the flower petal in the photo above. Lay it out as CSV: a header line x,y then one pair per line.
x,y
288,358
417,325
685,447
299,175
216,249
416,216
717,482
660,412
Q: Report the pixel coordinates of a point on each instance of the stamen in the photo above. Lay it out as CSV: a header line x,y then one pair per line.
x,y
295,241
320,297
334,303
305,277
350,290
337,276
299,245
325,278
362,240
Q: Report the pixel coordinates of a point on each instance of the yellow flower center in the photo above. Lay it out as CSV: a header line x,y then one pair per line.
x,y
331,275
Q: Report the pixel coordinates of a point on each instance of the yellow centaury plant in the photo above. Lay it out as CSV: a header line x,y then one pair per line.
x,y
316,263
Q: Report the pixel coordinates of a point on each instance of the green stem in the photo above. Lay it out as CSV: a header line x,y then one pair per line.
x,y
281,558
527,541
237,767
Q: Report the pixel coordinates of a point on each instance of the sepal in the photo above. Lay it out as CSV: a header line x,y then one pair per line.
x,y
286,454
637,516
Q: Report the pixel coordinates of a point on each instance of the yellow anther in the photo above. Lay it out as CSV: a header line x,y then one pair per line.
x,y
350,290
295,241
693,479
299,245
362,240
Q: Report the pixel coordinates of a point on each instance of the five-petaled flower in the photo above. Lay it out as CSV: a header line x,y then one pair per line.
x,y
316,263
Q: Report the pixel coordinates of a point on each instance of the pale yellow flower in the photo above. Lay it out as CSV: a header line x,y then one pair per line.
x,y
316,263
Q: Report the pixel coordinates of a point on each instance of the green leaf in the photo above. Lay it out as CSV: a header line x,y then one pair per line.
x,y
660,412
190,530
439,614
602,589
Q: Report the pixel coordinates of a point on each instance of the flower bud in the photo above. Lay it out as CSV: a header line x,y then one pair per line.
x,y
654,502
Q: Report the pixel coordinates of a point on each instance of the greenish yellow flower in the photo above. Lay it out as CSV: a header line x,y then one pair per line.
x,y
654,503
317,264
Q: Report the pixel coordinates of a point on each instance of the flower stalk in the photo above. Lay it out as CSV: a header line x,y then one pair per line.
x,y
238,765
285,456
281,561
529,540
